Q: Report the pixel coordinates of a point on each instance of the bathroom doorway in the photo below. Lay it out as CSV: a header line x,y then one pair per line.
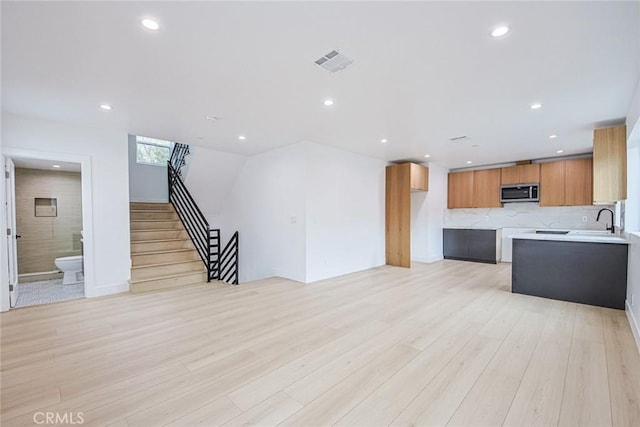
x,y
45,218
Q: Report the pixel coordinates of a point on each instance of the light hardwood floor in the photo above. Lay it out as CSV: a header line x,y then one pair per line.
x,y
439,344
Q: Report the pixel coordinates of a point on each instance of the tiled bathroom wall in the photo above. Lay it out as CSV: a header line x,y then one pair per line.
x,y
529,215
45,238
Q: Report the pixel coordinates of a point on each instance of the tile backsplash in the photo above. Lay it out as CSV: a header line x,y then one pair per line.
x,y
529,215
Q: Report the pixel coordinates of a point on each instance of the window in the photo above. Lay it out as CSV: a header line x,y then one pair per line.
x,y
151,151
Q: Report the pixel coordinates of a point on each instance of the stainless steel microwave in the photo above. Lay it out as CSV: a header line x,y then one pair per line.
x,y
520,193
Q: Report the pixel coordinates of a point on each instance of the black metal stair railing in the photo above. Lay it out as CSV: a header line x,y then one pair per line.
x,y
178,157
229,261
220,265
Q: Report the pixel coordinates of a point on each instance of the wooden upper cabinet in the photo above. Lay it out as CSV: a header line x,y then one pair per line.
x,y
419,177
529,174
474,189
609,165
552,183
510,175
578,182
521,174
486,188
566,183
460,190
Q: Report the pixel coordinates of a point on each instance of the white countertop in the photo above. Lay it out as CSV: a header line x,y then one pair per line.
x,y
587,236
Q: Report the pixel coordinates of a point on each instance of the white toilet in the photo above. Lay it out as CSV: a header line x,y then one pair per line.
x,y
70,266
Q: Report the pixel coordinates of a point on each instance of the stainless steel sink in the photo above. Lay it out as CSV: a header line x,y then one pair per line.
x,y
551,232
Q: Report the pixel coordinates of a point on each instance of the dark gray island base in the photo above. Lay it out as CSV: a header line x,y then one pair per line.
x,y
582,272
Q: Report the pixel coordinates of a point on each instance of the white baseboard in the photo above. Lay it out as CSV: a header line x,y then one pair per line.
x,y
633,322
435,258
115,288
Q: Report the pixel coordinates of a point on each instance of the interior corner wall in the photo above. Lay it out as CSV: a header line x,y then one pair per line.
x,y
267,206
345,212
147,183
436,206
419,226
210,178
110,187
4,260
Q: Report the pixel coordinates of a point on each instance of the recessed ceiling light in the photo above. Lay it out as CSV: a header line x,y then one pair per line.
x,y
469,162
554,136
328,102
150,24
242,137
535,106
105,107
500,31
560,151
212,118
384,140
55,166
426,156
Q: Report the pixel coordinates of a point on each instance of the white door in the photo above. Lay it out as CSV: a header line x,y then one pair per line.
x,y
10,170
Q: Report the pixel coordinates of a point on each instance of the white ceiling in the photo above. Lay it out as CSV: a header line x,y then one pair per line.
x,y
423,72
47,165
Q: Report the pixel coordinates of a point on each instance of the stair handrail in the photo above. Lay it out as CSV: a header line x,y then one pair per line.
x,y
205,239
178,156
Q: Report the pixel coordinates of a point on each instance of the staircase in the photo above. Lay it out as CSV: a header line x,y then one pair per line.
x,y
162,254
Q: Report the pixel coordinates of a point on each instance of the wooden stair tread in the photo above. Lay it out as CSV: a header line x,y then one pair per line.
x,y
158,229
170,276
165,251
161,240
154,220
167,263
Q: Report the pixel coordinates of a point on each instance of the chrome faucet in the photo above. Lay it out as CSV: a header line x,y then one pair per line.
x,y
612,228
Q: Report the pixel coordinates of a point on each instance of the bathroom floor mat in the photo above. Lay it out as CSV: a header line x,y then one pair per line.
x,y
47,291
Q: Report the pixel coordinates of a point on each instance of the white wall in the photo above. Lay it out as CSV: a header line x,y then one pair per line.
x,y
427,213
267,206
632,213
420,226
633,286
345,212
210,177
436,207
107,151
4,272
147,183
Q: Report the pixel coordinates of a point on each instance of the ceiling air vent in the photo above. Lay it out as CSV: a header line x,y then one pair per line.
x,y
462,138
334,61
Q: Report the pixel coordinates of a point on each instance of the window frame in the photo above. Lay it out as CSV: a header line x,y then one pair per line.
x,y
153,142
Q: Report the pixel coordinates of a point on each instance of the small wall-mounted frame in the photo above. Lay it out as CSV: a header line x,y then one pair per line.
x,y
46,206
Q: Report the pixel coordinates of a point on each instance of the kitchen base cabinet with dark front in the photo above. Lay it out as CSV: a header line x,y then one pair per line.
x,y
471,244
582,272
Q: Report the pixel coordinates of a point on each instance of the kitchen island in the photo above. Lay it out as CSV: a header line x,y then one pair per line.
x,y
587,268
